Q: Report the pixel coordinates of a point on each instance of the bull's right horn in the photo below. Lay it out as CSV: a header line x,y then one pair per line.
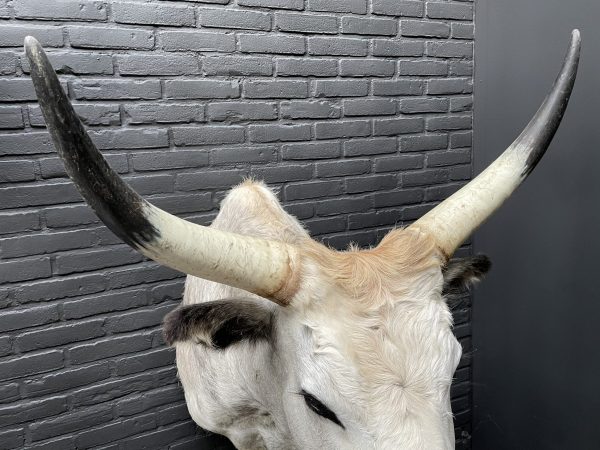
x,y
266,268
456,218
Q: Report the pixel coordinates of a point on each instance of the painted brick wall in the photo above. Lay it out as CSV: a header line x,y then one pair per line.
x,y
357,111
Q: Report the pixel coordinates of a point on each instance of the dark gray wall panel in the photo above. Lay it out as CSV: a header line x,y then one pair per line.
x,y
536,336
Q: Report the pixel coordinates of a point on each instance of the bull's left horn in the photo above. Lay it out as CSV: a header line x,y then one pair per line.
x,y
263,267
457,217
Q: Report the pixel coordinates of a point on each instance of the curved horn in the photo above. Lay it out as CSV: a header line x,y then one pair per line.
x,y
457,217
263,267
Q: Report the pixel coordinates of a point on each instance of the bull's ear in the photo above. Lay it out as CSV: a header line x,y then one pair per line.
x,y
461,273
219,324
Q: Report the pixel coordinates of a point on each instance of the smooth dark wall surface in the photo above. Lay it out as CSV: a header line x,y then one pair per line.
x,y
536,332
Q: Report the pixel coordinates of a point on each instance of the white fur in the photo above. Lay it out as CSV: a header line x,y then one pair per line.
x,y
385,371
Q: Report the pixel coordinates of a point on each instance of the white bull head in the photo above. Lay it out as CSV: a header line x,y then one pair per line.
x,y
354,350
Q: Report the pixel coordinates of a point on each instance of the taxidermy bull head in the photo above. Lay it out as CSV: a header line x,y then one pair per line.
x,y
283,343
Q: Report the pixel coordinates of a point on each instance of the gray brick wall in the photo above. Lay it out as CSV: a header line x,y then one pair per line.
x,y
357,111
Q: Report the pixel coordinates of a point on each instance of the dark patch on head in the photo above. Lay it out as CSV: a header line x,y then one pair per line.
x,y
461,273
220,323
117,204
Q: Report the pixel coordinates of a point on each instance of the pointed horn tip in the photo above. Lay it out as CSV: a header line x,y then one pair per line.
x,y
31,42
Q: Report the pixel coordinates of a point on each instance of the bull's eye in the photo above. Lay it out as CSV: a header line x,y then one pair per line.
x,y
315,405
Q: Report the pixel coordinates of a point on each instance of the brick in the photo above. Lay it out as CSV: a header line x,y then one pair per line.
x,y
409,8
138,319
337,46
372,146
38,244
198,89
116,89
12,438
153,14
397,87
443,123
280,4
111,38
24,269
17,90
343,6
393,127
108,347
67,10
283,173
70,422
461,139
342,129
77,63
11,117
424,177
238,19
31,410
130,138
303,23
244,154
210,180
276,89
399,197
90,114
369,107
423,68
146,113
398,163
16,319
311,150
423,105
281,133
461,104
378,219
207,135
9,393
366,68
26,143
335,206
313,189
42,194
450,10
342,168
394,47
143,65
424,28
104,303
301,211
423,143
327,225
238,65
25,365
463,31
439,193
14,35
169,160
449,158
58,288
450,86
461,68
15,171
176,41
65,379
341,88
309,110
370,183
59,335
19,221
68,263
54,167
279,44
450,49
141,402
143,361
306,67
8,63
